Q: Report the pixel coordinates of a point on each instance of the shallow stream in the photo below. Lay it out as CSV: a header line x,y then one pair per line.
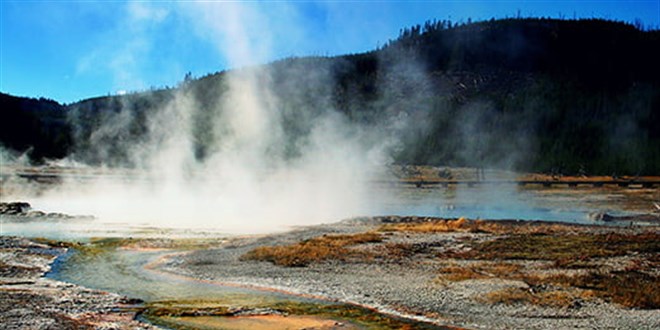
x,y
130,273
126,272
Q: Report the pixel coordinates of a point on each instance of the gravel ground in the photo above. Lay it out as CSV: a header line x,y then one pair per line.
x,y
406,287
30,301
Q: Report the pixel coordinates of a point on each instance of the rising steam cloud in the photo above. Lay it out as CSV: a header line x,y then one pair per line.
x,y
261,147
247,181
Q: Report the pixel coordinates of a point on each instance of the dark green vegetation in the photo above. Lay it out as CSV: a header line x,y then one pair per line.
x,y
38,125
537,95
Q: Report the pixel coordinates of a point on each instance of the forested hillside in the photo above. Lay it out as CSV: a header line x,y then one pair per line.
x,y
543,95
39,126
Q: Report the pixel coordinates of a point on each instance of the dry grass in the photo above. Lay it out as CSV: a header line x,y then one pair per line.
x,y
398,251
314,250
479,271
552,298
632,289
636,286
478,226
563,247
628,288
436,226
569,178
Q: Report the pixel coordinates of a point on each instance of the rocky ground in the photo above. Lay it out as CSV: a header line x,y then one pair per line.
x,y
28,300
414,273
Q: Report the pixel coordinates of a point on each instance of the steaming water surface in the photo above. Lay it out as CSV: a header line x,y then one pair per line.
x,y
486,203
480,202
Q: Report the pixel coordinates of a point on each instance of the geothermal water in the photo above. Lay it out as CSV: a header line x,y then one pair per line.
x,y
127,272
121,213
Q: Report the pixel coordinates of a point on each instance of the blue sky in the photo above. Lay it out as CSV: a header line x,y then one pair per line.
x,y
72,50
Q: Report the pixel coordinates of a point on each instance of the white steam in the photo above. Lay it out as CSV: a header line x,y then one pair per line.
x,y
247,183
244,186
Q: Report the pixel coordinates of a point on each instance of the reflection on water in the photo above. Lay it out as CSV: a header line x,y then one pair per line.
x,y
505,202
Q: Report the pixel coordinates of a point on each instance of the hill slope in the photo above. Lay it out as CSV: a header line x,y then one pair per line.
x,y
531,94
